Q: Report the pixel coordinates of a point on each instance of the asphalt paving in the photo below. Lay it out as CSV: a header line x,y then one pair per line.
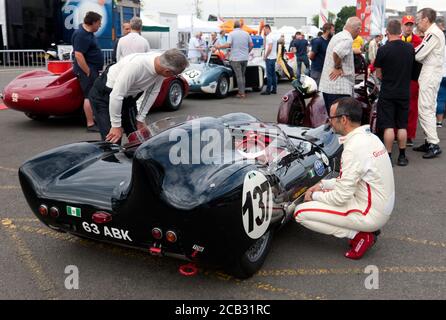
x,y
410,255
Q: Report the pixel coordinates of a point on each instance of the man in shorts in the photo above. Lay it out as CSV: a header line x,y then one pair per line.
x,y
394,62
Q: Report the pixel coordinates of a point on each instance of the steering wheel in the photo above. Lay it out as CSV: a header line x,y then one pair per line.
x,y
251,140
253,146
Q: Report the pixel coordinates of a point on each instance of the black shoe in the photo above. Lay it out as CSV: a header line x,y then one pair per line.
x,y
433,151
402,161
93,128
409,143
423,148
265,93
274,92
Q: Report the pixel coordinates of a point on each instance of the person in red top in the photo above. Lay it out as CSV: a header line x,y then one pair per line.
x,y
408,23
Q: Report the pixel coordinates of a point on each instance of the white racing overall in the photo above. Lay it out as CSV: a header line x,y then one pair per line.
x,y
361,199
431,54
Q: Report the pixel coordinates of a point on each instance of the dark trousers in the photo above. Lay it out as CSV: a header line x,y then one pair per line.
x,y
306,62
271,76
100,99
330,98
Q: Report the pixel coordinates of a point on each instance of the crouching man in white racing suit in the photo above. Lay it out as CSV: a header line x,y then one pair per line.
x,y
431,54
359,202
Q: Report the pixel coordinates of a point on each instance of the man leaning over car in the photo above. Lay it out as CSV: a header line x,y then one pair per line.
x,y
360,201
123,95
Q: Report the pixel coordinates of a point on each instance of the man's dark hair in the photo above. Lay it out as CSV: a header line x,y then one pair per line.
x,y
440,22
327,27
429,13
92,17
267,26
394,27
320,33
349,107
298,33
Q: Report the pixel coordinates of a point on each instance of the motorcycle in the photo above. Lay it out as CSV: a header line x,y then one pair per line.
x,y
304,104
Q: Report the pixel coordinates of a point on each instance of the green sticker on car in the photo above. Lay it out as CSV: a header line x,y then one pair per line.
x,y
73,211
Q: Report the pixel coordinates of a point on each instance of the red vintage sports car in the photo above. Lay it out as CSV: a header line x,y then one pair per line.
x,y
41,94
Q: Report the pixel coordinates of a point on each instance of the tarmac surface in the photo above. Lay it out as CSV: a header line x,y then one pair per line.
x,y
410,254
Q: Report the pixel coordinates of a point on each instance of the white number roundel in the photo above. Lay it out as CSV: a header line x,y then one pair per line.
x,y
257,204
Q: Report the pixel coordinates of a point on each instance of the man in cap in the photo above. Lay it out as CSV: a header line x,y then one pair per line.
x,y
409,36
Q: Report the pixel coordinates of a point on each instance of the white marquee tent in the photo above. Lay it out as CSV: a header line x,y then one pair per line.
x,y
188,23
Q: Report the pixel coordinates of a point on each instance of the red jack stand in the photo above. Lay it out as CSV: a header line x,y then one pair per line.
x,y
188,270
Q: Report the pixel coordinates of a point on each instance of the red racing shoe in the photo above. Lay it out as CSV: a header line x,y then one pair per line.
x,y
360,244
353,242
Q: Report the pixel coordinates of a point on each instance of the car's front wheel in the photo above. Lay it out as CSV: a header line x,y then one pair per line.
x,y
252,260
174,96
222,87
37,117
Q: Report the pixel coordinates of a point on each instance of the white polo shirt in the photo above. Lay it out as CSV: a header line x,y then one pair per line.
x,y
131,43
133,74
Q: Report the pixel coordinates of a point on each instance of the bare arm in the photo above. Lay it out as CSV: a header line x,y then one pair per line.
x,y
312,55
337,60
223,46
337,71
379,73
80,59
268,50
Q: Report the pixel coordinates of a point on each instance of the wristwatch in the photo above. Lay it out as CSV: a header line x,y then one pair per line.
x,y
338,67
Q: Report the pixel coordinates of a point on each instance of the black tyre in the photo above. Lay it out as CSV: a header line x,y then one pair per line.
x,y
297,114
37,117
175,96
222,87
252,260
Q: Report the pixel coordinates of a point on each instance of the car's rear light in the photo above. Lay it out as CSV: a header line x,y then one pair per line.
x,y
43,210
155,251
157,233
54,212
171,236
101,217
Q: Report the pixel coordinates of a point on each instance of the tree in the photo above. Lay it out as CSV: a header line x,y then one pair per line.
x,y
315,19
345,13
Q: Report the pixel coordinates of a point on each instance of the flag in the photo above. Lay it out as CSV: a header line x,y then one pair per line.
x,y
75,212
323,13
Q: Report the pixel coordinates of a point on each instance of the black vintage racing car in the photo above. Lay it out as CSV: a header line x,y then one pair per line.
x,y
218,203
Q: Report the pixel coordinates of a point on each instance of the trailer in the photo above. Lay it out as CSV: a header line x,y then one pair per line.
x,y
35,24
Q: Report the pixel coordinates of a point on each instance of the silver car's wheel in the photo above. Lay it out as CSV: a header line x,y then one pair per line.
x,y
252,259
257,249
222,86
175,96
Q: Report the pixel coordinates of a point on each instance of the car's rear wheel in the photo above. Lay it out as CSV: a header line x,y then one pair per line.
x,y
252,260
37,117
222,86
174,96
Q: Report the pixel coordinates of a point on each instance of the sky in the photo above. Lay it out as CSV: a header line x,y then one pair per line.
x,y
306,8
